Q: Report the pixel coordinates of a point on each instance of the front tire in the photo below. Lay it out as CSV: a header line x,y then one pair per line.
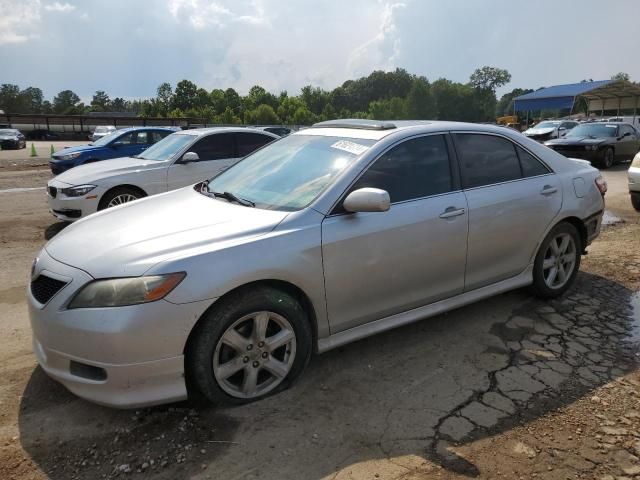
x,y
608,158
119,196
557,262
254,344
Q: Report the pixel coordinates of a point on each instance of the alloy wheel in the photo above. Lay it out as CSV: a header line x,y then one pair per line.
x,y
608,158
254,355
559,261
120,199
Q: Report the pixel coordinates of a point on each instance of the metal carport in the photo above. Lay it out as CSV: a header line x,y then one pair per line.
x,y
600,96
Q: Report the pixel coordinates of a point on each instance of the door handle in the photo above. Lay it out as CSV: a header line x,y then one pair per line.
x,y
452,212
548,190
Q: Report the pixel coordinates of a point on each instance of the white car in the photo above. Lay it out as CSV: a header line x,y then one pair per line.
x,y
549,129
102,131
634,182
178,160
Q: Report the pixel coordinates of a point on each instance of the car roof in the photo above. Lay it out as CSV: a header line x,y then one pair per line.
x,y
133,129
378,129
212,130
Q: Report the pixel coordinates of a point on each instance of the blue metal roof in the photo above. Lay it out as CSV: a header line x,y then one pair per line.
x,y
556,97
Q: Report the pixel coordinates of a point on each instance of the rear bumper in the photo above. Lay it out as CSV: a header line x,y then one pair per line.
x,y
593,225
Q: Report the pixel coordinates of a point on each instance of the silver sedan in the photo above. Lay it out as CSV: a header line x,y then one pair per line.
x,y
324,237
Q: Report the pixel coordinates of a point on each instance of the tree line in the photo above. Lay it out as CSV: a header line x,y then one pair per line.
x,y
380,95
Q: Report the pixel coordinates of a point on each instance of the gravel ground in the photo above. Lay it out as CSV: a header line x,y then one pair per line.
x,y
511,387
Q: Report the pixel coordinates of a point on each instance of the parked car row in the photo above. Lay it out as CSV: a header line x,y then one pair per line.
x,y
601,143
176,160
309,242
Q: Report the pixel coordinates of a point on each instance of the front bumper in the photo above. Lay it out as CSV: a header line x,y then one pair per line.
x,y
10,144
70,209
124,357
579,152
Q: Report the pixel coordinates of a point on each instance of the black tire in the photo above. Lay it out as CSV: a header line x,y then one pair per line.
x,y
219,319
108,197
540,288
635,201
608,158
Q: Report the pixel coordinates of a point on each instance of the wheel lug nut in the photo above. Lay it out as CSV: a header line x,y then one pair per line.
x,y
265,354
261,344
249,347
256,364
245,359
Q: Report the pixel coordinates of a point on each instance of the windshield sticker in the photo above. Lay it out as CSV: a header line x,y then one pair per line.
x,y
611,126
351,147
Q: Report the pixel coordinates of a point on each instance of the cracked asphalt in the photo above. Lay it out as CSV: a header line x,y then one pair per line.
x,y
510,387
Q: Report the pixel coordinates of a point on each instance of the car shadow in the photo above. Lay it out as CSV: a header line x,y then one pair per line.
x,y
417,392
54,229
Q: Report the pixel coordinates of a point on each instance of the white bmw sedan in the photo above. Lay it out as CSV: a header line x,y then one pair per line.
x,y
326,236
178,160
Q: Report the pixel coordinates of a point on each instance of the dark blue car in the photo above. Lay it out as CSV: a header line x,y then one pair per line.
x,y
121,143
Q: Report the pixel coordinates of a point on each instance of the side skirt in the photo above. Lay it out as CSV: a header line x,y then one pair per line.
x,y
399,319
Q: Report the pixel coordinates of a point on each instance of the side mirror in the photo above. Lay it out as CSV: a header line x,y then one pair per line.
x,y
627,134
367,200
190,157
116,144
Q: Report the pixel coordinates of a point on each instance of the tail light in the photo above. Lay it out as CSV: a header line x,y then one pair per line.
x,y
601,183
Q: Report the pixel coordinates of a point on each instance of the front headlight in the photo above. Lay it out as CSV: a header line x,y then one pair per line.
x,y
77,191
119,292
70,156
591,147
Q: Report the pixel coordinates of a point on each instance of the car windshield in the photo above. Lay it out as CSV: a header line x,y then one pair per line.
x,y
594,130
289,173
167,147
8,131
547,125
101,142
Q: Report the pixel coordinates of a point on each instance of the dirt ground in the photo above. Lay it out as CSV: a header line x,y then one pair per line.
x,y
510,387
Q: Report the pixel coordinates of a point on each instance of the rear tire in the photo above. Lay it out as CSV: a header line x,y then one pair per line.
x,y
231,359
119,196
557,261
635,201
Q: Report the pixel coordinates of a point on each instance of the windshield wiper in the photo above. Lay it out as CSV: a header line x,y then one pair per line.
x,y
231,198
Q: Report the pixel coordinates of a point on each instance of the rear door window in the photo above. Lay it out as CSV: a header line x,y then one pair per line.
x,y
248,142
215,147
486,159
142,138
531,166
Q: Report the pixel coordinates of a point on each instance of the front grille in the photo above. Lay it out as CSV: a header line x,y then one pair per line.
x,y
44,288
53,191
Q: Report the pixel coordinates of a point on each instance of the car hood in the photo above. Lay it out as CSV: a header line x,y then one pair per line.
x,y
130,239
77,148
8,136
579,141
539,131
93,172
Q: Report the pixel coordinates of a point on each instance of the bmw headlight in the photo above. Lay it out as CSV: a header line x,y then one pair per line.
x,y
77,191
70,156
119,292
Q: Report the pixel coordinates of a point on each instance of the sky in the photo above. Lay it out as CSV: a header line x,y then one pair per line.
x,y
129,47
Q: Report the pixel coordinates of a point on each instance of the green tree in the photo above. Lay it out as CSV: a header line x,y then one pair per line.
x,y
100,101
265,115
164,98
303,116
314,98
66,102
419,102
10,100
489,78
388,109
119,104
621,76
217,100
185,95
505,104
228,117
31,99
